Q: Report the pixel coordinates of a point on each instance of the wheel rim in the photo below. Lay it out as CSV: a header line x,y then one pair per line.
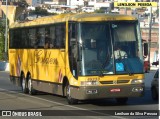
x,y
23,83
29,85
68,92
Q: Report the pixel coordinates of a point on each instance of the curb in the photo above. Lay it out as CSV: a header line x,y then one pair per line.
x,y
4,66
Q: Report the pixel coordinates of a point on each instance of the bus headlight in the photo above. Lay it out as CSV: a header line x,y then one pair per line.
x,y
89,83
137,81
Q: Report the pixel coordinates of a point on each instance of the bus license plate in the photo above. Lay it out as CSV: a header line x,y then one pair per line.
x,y
115,90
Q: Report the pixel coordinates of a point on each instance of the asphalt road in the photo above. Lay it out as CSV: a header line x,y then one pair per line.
x,y
12,99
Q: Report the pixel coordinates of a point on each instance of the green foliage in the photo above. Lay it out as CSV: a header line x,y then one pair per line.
x,y
22,3
99,11
40,12
2,39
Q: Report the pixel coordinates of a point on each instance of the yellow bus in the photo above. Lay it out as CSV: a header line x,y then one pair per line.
x,y
73,55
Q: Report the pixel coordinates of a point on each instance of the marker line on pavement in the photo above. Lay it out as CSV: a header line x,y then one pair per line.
x,y
103,114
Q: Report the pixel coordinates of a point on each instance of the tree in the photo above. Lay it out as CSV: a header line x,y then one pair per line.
x,y
99,11
22,3
2,39
41,12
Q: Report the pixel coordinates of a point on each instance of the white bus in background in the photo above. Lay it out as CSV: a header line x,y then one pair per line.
x,y
31,8
88,9
59,9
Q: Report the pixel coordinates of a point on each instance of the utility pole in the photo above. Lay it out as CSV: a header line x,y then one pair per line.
x,y
125,9
6,30
149,35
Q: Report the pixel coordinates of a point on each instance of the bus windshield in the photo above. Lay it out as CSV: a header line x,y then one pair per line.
x,y
110,48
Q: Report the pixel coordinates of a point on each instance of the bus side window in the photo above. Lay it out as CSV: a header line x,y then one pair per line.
x,y
48,37
17,40
24,36
52,35
40,37
32,37
48,43
12,37
60,36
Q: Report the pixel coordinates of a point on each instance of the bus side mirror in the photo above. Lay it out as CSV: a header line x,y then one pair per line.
x,y
145,49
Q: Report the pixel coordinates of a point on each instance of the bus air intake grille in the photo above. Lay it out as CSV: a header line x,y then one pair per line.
x,y
123,81
114,82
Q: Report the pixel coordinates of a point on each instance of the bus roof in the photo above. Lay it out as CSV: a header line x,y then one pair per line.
x,y
72,17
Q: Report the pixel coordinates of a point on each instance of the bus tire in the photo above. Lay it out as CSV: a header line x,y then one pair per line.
x,y
24,84
70,100
154,93
31,90
121,100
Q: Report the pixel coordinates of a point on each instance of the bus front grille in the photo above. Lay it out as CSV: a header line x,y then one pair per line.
x,y
115,82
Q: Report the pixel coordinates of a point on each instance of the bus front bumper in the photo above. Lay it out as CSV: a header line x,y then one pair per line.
x,y
100,92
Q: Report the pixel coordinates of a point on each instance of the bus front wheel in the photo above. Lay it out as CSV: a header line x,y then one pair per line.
x,y
30,87
70,100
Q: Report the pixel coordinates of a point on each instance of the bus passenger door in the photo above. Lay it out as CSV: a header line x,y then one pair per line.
x,y
73,51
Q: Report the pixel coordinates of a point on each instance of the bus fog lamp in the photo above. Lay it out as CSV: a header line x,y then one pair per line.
x,y
137,89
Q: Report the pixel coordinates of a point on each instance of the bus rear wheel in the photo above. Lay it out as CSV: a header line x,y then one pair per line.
x,y
30,87
70,100
24,84
121,100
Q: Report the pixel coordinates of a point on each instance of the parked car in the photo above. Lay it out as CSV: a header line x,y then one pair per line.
x,y
155,86
156,63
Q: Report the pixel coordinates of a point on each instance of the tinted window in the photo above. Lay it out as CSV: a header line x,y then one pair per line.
x,y
51,36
